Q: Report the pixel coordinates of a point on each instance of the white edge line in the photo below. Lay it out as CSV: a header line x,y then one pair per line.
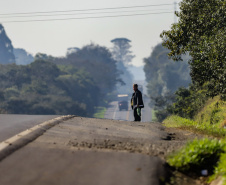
x,y
115,111
10,141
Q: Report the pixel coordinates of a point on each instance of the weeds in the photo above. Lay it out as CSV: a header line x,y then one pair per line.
x,y
202,128
199,155
214,112
100,112
220,170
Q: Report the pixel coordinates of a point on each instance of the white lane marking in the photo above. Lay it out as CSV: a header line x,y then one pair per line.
x,y
10,141
115,111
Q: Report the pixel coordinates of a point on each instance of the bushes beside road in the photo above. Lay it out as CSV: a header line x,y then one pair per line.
x,y
207,153
210,120
201,157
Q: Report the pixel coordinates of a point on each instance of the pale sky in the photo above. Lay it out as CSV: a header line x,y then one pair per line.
x,y
54,37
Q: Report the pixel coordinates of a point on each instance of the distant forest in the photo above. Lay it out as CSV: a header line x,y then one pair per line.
x,y
74,84
80,83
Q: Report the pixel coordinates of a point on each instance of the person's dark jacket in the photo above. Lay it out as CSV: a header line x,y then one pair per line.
x,y
137,100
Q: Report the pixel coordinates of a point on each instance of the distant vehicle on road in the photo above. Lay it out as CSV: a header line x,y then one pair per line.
x,y
123,101
123,105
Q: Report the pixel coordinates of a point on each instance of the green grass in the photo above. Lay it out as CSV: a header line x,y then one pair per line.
x,y
214,112
220,170
202,128
198,155
209,121
100,112
202,154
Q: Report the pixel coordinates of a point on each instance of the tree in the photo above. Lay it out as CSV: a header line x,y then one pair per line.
x,y
6,48
43,88
121,50
122,54
201,31
97,62
164,75
22,56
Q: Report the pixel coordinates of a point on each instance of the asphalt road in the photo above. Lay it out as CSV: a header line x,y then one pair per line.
x,y
127,115
12,124
85,151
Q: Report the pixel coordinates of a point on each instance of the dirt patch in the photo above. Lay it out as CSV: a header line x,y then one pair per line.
x,y
151,139
169,143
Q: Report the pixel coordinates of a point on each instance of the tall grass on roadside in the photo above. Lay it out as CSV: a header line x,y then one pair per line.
x,y
211,120
203,128
100,112
214,112
220,170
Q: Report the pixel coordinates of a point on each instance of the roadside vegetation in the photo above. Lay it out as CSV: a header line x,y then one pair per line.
x,y
198,40
100,112
210,120
69,85
207,154
77,83
203,157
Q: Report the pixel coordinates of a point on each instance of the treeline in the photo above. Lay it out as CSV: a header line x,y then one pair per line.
x,y
201,32
164,77
74,84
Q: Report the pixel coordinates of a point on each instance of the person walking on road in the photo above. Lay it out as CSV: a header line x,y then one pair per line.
x,y
137,103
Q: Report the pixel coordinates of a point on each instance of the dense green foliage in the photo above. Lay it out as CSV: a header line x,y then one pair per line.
x,y
201,31
42,88
188,101
198,155
201,155
162,106
220,170
210,118
96,61
164,75
72,85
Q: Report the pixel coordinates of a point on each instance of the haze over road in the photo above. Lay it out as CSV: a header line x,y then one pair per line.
x,y
114,113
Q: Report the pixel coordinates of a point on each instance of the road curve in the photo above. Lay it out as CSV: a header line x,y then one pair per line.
x,y
12,124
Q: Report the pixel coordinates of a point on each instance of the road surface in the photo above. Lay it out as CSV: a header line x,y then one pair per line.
x,y
12,124
114,113
85,151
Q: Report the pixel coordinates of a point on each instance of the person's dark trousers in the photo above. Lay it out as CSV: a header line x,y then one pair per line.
x,y
136,117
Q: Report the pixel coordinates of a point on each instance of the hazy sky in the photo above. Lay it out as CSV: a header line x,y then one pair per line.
x,y
54,37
